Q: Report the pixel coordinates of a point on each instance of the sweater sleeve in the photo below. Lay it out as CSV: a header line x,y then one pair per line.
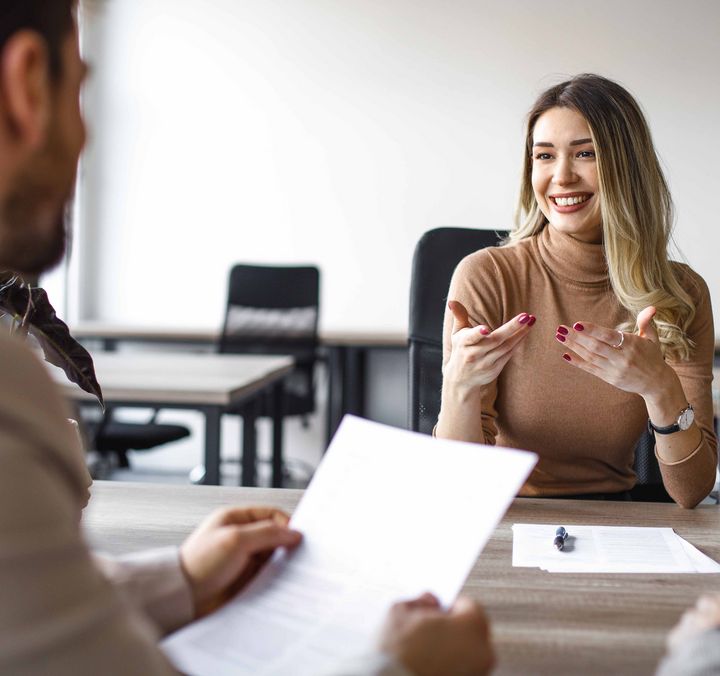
x,y
475,284
691,479
153,583
698,656
372,664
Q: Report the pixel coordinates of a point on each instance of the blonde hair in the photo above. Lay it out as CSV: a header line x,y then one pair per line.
x,y
635,205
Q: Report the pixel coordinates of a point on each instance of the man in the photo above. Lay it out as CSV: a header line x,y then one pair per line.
x,y
62,610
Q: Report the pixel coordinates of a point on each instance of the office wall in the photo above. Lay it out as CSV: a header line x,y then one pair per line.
x,y
283,131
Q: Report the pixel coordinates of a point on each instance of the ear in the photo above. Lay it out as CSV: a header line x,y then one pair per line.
x,y
25,88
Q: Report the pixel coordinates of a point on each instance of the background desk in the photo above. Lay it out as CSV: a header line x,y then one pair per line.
x,y
542,623
345,353
211,383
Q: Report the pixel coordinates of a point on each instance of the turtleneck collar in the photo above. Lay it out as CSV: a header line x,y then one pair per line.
x,y
572,260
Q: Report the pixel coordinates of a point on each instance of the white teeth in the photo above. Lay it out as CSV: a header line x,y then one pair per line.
x,y
569,201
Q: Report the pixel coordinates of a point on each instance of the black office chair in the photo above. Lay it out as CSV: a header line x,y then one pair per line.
x,y
111,437
436,255
275,310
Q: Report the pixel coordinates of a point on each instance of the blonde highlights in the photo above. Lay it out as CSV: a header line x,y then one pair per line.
x,y
635,205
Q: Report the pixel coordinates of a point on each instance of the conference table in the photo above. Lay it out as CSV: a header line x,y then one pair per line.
x,y
542,623
213,384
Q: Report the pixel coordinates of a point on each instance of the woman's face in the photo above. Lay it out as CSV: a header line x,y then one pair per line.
x,y
564,174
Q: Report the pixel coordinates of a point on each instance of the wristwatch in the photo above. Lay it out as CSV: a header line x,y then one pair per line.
x,y
685,419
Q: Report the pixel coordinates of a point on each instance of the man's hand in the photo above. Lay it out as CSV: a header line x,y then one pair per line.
x,y
227,550
431,642
704,616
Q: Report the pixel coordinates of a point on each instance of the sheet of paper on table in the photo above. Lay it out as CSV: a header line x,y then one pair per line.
x,y
389,515
608,549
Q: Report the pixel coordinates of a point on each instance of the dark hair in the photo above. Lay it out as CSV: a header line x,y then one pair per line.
x,y
51,19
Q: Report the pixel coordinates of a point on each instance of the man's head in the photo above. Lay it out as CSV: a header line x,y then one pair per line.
x,y
41,129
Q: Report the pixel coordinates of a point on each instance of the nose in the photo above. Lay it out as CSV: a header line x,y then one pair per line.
x,y
565,172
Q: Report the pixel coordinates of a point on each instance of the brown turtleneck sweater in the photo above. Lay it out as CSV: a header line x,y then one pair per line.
x,y
583,429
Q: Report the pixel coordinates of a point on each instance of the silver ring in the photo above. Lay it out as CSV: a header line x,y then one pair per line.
x,y
620,344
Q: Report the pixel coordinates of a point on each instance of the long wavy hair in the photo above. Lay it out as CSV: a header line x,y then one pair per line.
x,y
635,204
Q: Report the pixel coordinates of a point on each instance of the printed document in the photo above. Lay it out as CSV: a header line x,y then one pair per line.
x,y
389,515
607,549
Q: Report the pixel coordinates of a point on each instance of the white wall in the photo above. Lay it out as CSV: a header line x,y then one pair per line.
x,y
337,132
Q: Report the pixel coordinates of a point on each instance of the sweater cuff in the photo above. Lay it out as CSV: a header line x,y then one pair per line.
x,y
697,656
153,582
371,664
685,459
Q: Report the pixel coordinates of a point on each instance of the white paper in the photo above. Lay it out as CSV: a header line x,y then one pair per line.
x,y
389,515
607,549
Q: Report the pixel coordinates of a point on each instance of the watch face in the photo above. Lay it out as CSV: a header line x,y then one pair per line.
x,y
686,418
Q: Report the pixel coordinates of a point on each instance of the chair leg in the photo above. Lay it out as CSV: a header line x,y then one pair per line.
x,y
123,460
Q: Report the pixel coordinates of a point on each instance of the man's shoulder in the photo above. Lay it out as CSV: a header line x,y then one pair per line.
x,y
22,375
34,417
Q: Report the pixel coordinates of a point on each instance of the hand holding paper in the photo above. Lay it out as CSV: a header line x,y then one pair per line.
x,y
389,514
226,551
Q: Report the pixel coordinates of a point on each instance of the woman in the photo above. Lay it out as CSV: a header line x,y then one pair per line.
x,y
576,333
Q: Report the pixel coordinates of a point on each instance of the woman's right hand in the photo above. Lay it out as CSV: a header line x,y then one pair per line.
x,y
478,353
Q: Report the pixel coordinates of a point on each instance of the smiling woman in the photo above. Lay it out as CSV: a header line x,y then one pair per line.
x,y
580,333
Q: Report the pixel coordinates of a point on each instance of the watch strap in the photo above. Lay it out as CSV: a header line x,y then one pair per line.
x,y
670,429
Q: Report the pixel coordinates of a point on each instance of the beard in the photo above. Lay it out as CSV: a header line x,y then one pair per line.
x,y
35,222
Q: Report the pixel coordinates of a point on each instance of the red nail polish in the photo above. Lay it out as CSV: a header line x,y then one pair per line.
x,y
524,318
566,357
578,326
560,337
562,330
484,331
531,321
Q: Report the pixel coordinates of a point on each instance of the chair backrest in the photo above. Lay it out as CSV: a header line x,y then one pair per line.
x,y
272,310
436,255
275,310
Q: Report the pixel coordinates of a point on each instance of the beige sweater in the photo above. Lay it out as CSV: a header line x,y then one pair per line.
x,y
583,429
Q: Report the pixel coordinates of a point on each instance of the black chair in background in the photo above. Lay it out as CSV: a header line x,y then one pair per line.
x,y
110,437
436,255
275,310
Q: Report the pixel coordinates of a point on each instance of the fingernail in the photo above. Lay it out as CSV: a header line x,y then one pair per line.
x,y
531,321
524,318
560,337
562,330
566,356
578,326
484,331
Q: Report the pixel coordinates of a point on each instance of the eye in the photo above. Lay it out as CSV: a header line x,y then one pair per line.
x,y
543,156
586,154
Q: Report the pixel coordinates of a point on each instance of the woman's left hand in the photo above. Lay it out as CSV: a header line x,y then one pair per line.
x,y
633,363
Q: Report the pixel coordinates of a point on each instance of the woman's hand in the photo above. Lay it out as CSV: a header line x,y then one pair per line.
x,y
633,363
479,354
226,551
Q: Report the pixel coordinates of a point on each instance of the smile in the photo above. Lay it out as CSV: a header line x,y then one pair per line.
x,y
569,200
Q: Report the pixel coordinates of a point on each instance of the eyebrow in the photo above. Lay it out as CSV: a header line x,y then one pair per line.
x,y
577,142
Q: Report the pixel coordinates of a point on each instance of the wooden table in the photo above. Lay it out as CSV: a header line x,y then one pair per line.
x,y
210,383
542,623
346,353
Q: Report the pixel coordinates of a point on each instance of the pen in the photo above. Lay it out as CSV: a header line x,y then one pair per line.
x,y
560,537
